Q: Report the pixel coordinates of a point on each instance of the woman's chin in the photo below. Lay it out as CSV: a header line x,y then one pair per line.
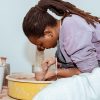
x,y
54,45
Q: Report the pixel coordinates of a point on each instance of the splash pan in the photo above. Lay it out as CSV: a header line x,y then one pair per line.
x,y
24,86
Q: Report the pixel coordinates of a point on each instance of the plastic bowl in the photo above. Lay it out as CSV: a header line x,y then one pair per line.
x,y
24,87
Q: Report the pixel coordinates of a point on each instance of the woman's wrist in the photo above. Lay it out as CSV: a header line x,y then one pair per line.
x,y
67,72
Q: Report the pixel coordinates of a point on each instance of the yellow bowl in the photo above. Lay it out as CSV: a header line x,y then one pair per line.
x,y
24,89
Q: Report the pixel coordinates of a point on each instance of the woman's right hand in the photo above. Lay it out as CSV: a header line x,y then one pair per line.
x,y
48,62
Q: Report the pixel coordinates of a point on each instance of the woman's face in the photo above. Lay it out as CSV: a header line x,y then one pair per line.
x,y
49,40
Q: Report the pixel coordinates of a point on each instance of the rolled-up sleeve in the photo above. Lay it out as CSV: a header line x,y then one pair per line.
x,y
77,44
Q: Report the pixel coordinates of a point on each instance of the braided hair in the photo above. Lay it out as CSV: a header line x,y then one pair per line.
x,y
37,19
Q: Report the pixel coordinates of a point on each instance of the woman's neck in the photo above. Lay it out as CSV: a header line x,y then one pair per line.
x,y
58,27
59,24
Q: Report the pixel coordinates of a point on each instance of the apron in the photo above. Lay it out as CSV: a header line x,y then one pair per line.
x,y
62,61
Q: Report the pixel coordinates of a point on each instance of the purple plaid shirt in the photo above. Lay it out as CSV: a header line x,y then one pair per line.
x,y
80,42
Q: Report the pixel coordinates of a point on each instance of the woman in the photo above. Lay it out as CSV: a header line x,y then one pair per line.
x,y
78,34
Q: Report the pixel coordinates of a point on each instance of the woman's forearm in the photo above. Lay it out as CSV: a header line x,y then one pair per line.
x,y
68,72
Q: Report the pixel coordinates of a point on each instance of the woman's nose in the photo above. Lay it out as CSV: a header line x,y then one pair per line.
x,y
40,48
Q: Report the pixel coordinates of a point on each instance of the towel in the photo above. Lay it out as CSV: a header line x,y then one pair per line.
x,y
85,86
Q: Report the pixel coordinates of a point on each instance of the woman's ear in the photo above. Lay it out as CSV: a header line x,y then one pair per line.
x,y
48,32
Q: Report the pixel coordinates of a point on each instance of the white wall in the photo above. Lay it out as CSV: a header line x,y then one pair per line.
x,y
13,43
92,6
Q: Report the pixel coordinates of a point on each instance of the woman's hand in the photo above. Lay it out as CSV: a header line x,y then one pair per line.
x,y
61,73
47,63
50,76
